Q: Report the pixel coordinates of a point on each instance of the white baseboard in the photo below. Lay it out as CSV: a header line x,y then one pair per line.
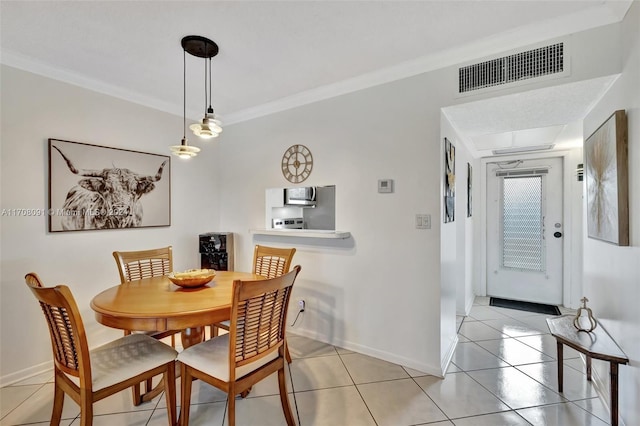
x,y
21,375
434,370
467,308
446,360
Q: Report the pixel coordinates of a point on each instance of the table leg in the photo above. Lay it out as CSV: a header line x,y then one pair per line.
x,y
560,365
614,393
192,336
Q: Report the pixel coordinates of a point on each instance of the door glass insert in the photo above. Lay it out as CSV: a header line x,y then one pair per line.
x,y
522,224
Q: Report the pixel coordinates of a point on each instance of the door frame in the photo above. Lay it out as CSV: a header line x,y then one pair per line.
x,y
569,286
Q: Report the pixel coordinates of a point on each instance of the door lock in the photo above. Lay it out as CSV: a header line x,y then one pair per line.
x,y
557,234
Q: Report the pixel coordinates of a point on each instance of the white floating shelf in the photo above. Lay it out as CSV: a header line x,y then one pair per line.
x,y
302,233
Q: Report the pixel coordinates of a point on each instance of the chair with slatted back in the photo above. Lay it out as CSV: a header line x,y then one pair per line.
x,y
136,265
253,349
270,262
89,376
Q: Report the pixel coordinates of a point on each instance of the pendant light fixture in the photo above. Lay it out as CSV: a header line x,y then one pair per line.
x,y
202,47
184,150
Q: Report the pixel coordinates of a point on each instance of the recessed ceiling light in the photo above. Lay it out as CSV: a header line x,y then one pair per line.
x,y
522,149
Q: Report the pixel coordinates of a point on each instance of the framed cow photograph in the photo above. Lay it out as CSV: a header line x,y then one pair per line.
x,y
97,187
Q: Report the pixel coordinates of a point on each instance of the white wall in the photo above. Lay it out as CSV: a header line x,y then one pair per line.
x,y
34,109
361,290
462,232
611,273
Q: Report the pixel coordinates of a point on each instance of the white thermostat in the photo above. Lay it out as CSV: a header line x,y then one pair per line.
x,y
385,185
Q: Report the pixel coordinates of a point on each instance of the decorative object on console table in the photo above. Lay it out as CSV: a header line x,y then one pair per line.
x,y
607,177
597,344
582,323
216,251
97,187
449,181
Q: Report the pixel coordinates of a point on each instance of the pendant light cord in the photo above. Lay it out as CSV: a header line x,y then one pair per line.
x,y
205,81
210,84
184,94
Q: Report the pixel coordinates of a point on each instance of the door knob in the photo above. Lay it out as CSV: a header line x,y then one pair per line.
x,y
557,234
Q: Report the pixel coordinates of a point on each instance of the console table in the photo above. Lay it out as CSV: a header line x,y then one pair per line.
x,y
595,344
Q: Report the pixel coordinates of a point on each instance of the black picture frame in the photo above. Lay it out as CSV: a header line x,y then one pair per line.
x,y
449,181
93,187
469,190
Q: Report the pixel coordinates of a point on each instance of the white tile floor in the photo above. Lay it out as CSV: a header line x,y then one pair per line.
x,y
503,373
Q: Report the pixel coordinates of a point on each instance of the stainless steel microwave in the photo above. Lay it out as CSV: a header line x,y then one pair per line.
x,y
300,196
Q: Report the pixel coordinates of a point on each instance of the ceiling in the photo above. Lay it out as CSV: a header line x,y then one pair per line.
x,y
276,55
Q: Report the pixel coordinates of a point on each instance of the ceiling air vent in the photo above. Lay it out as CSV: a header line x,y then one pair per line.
x,y
508,69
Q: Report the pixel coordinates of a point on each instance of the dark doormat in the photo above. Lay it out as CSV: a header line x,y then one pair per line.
x,y
539,308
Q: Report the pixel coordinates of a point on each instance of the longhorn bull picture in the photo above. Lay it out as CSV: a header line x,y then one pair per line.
x,y
105,199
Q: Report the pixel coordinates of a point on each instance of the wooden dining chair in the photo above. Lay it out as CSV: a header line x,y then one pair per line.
x,y
253,349
89,376
270,262
137,265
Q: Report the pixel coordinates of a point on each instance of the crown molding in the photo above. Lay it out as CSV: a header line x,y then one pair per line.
x,y
29,64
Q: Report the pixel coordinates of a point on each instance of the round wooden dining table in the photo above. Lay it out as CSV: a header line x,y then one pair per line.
x,y
156,304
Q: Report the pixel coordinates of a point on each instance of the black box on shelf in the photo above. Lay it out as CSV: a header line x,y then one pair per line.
x,y
216,251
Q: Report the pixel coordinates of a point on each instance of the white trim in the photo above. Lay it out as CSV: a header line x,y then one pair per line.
x,y
446,360
383,355
29,372
467,309
20,61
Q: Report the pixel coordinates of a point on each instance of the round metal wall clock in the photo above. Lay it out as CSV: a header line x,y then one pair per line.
x,y
297,163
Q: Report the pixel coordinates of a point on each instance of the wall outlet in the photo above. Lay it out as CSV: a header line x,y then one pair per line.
x,y
301,305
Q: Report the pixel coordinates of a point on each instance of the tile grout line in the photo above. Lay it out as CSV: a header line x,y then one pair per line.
x,y
357,389
428,396
40,386
293,391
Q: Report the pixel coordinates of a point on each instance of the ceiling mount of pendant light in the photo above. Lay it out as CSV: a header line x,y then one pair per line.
x,y
184,150
202,47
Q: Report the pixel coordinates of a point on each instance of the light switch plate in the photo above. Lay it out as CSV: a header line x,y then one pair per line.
x,y
423,221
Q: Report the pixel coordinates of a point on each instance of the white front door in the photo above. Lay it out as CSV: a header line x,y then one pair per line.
x,y
524,230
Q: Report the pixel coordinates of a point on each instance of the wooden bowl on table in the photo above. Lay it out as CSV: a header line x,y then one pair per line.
x,y
192,278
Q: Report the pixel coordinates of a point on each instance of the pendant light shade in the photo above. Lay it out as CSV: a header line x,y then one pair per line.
x,y
209,127
184,150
